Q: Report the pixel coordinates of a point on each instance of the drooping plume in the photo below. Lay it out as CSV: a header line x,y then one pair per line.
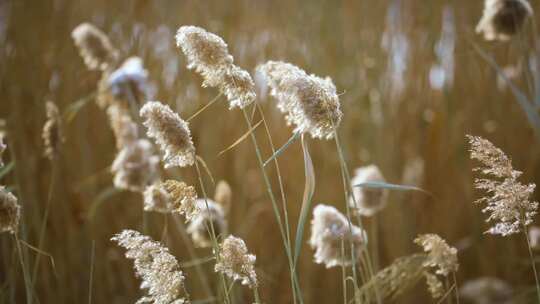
x,y
211,214
94,46
136,166
235,261
330,233
309,102
158,269
170,132
507,200
503,18
10,212
52,131
368,201
208,55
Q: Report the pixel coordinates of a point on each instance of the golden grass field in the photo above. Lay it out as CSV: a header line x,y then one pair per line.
x,y
379,54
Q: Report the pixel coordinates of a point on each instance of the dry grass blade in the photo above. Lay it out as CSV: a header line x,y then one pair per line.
x,y
39,251
73,109
6,169
381,185
204,107
206,169
309,189
278,152
241,139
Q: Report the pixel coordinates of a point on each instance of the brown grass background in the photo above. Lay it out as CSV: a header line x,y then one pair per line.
x,y
339,38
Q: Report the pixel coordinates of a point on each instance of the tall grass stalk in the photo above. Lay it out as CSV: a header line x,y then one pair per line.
x,y
456,290
533,262
365,256
26,275
294,280
212,231
282,193
91,279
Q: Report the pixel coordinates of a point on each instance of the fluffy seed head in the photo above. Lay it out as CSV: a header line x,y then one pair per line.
x,y
310,102
124,128
170,132
52,131
94,46
157,199
235,261
158,269
486,290
208,54
136,166
503,18
330,233
368,201
180,198
507,201
440,254
223,195
129,81
10,212
211,215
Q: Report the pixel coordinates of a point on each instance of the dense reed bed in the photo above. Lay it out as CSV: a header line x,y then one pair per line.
x,y
269,152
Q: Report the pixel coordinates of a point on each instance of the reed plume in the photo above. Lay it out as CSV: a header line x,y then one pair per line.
x,y
368,201
441,258
124,128
503,18
52,134
170,132
508,201
235,261
208,55
309,102
172,196
10,211
94,46
211,214
136,166
330,233
158,269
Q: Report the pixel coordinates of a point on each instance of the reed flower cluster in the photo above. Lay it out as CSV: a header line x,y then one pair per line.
x,y
440,257
10,211
208,55
94,46
172,196
365,200
235,261
211,214
124,128
170,132
331,233
52,131
159,270
136,166
503,18
508,201
309,102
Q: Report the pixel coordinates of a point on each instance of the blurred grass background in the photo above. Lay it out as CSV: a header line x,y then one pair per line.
x,y
411,87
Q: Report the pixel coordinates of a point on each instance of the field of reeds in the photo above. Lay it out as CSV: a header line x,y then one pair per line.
x,y
269,151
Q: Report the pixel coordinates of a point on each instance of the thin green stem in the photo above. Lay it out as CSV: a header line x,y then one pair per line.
x,y
533,263
295,285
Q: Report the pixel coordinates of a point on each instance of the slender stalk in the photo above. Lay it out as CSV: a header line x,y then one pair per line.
x,y
343,272
533,263
347,190
91,280
281,190
27,280
294,282
256,295
212,230
457,288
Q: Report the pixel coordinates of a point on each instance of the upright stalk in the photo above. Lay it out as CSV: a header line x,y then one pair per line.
x,y
294,279
533,263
